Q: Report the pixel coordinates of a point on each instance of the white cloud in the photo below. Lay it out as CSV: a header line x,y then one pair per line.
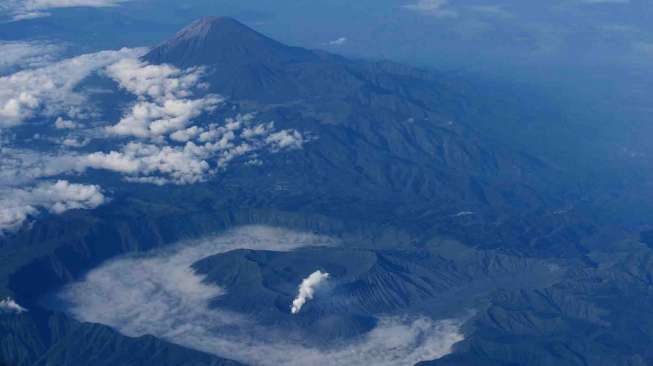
x,y
208,150
50,90
645,48
165,104
605,1
204,152
153,119
48,4
285,139
10,306
29,9
22,167
26,55
257,131
63,196
159,294
163,146
18,204
490,10
62,124
438,8
12,216
186,134
338,42
180,165
154,81
75,142
306,290
463,213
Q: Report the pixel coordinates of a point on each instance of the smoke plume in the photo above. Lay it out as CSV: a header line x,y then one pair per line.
x,y
8,305
307,290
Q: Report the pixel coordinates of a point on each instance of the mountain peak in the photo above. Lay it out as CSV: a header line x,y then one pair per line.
x,y
214,25
220,41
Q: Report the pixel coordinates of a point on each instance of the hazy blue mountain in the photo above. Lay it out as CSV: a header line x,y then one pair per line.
x,y
385,132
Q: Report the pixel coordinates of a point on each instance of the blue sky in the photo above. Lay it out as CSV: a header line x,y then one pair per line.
x,y
463,33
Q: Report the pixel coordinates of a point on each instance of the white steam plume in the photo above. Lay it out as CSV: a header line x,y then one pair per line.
x,y
307,290
8,305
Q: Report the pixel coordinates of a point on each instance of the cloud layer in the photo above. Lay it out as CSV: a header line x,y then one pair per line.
x,y
166,135
26,55
439,8
159,294
165,103
50,90
18,204
164,142
198,152
29,9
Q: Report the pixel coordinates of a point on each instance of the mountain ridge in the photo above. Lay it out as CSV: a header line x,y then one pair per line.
x,y
385,133
217,41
